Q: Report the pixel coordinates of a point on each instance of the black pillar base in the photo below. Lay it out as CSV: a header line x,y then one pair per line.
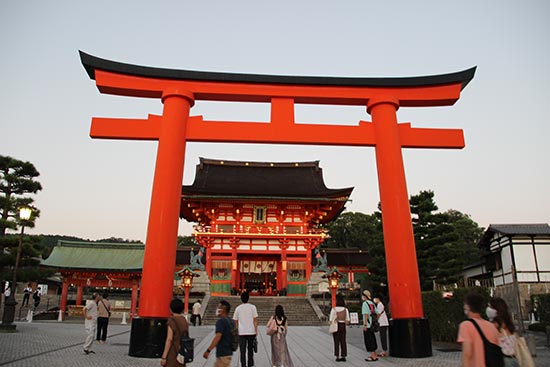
x,y
147,337
410,338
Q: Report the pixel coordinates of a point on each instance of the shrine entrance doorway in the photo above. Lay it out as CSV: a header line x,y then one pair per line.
x,y
258,274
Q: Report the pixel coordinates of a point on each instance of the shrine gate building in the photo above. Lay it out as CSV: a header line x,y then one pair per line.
x,y
259,222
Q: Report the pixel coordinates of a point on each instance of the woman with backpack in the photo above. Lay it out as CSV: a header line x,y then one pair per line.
x,y
280,357
340,315
370,321
177,326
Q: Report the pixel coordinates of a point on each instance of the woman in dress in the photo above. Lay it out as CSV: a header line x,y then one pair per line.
x,y
341,314
280,357
177,326
497,312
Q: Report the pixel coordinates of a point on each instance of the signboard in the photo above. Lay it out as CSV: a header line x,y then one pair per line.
x,y
43,289
323,287
354,318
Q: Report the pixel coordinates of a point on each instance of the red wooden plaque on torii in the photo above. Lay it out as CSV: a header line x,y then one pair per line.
x,y
382,97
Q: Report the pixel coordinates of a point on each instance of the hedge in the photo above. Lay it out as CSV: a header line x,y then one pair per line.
x,y
543,307
445,315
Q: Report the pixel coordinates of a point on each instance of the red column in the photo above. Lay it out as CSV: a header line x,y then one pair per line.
x,y
280,275
79,289
160,249
208,262
186,301
333,291
350,277
308,264
402,268
133,304
64,294
234,268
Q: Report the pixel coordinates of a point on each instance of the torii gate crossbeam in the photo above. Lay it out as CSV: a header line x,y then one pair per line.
x,y
178,89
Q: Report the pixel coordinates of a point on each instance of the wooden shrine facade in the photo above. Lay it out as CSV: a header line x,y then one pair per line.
x,y
259,222
97,265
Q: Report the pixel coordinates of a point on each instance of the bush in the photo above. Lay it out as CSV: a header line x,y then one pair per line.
x,y
446,314
542,302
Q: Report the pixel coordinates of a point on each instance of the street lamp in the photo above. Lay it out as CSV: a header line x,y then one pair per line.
x,y
187,275
9,305
333,277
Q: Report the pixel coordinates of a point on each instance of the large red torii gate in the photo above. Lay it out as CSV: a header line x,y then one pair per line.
x,y
178,89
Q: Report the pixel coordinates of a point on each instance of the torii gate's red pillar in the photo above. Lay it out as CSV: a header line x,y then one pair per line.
x,y
402,268
162,231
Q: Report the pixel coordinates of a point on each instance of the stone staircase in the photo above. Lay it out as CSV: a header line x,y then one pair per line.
x,y
298,310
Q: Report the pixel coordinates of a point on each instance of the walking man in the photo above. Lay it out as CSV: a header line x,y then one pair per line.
x,y
196,313
473,350
223,338
246,319
384,324
90,321
37,296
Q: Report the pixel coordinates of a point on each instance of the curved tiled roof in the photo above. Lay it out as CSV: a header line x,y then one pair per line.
x,y
96,256
261,179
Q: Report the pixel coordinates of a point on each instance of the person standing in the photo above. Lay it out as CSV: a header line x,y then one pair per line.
x,y
280,357
103,314
196,313
384,324
177,327
497,312
37,296
90,321
222,339
473,351
246,319
368,309
341,314
26,295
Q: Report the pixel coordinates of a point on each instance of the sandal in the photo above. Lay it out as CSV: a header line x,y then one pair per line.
x,y
383,354
370,359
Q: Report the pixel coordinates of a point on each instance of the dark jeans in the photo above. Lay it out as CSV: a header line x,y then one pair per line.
x,y
384,337
194,319
370,340
26,298
246,342
102,323
340,341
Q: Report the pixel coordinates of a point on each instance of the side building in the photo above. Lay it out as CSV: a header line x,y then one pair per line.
x,y
516,264
258,223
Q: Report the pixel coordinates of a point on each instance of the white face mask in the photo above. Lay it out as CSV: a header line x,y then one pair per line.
x,y
218,311
491,313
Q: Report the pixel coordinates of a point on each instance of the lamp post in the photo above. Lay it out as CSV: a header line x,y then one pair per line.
x,y
333,277
187,276
10,303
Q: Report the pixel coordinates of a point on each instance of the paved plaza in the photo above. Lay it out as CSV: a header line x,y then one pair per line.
x,y
52,344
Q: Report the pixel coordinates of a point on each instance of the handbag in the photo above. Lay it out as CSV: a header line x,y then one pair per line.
x,y
493,354
271,327
523,355
333,327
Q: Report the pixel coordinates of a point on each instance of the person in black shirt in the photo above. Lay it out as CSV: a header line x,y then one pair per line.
x,y
222,340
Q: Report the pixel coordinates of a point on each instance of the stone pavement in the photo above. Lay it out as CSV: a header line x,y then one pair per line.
x,y
52,344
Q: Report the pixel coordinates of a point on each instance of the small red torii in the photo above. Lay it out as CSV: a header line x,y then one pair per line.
x,y
179,89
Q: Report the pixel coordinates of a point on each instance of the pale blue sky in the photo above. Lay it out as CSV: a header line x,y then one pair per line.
x,y
101,188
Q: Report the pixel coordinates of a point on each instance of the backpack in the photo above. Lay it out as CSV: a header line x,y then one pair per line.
x,y
234,335
375,326
493,353
186,352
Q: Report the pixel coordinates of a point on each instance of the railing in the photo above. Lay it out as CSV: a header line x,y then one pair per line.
x,y
465,283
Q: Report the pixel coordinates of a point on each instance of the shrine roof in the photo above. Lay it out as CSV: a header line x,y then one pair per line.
x,y
521,229
296,180
93,63
96,256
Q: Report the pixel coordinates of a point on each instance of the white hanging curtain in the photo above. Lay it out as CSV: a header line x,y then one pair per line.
x,y
258,267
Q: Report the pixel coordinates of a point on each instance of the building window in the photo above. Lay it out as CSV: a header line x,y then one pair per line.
x,y
259,214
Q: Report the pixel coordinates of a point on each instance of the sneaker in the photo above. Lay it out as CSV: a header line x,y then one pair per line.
x,y
343,359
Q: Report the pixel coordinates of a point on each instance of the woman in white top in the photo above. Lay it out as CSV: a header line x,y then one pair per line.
x,y
384,324
341,314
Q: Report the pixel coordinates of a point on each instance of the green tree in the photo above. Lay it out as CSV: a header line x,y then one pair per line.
x,y
188,241
445,242
32,252
17,179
